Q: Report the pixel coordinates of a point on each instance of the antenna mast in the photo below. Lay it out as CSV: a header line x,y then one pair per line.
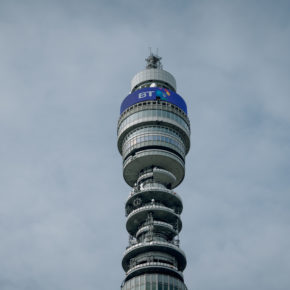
x,y
153,60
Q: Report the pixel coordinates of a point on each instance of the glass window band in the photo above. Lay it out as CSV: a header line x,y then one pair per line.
x,y
135,117
154,282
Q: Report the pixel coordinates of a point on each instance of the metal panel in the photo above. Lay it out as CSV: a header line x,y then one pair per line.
x,y
153,74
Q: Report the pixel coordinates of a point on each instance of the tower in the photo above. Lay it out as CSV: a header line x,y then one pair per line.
x,y
153,139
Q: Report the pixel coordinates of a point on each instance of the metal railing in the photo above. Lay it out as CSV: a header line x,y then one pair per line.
x,y
152,264
154,243
146,226
152,207
157,188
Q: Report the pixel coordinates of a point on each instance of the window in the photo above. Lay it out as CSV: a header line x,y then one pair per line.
x,y
165,282
152,113
148,282
142,280
137,282
170,283
160,282
153,133
171,141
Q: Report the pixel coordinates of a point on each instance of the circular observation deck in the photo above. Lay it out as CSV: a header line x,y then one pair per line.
x,y
159,213
154,246
158,227
169,161
159,175
154,267
167,197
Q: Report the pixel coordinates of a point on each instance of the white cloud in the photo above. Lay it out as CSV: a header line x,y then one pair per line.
x,y
65,68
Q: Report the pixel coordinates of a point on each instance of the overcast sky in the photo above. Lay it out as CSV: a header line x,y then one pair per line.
x,y
66,66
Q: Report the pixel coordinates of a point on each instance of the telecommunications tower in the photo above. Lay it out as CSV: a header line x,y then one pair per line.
x,y
153,139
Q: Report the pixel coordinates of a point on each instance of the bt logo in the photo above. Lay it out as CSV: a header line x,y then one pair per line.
x,y
161,93
145,94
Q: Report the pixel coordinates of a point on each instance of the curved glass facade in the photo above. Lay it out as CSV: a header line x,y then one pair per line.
x,y
138,116
153,139
154,282
152,129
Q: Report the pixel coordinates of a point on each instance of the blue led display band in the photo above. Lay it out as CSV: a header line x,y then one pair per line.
x,y
153,94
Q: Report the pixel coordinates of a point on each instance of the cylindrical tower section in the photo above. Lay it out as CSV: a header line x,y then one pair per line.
x,y
153,139
156,76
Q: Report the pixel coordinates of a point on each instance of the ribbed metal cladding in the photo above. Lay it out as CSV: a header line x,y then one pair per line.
x,y
153,139
153,74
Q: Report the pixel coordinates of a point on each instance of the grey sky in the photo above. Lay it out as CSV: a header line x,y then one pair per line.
x,y
65,67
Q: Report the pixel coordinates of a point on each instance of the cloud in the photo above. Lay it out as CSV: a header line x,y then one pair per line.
x,y
66,67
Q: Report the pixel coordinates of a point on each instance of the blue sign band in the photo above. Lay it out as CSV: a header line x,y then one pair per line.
x,y
153,94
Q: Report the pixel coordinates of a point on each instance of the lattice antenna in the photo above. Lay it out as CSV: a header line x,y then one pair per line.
x,y
153,60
